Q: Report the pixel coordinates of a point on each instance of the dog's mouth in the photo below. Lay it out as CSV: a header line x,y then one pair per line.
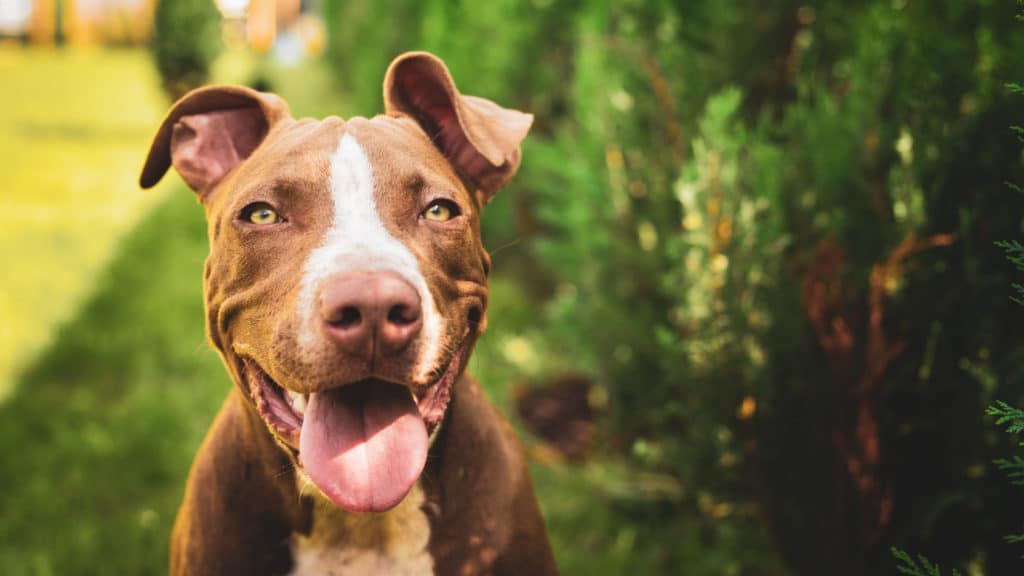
x,y
362,444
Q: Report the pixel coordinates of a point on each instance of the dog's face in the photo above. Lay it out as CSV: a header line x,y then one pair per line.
x,y
346,283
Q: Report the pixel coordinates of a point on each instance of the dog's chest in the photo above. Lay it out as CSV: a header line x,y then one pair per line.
x,y
341,543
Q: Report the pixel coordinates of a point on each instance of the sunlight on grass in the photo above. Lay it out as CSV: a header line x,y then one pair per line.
x,y
74,127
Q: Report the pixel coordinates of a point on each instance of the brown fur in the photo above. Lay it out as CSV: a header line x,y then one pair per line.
x,y
242,509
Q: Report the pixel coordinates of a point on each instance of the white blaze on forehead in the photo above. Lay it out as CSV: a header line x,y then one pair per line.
x,y
358,240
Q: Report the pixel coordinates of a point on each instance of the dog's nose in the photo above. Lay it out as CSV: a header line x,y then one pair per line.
x,y
371,313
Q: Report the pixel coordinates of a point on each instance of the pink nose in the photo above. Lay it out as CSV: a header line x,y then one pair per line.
x,y
371,313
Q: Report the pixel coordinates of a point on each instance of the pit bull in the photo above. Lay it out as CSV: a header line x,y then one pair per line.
x,y
345,289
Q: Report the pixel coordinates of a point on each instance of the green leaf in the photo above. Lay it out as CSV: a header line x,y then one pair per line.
x,y
919,567
1012,418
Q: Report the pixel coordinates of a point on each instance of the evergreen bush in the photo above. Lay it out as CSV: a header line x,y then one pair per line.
x,y
759,227
186,39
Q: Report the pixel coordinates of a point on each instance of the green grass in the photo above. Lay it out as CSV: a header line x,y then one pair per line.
x,y
97,437
73,130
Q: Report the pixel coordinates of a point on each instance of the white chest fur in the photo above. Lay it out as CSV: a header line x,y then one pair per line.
x,y
342,543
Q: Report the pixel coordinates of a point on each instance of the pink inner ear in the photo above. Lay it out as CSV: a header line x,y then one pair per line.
x,y
456,146
439,115
205,147
480,138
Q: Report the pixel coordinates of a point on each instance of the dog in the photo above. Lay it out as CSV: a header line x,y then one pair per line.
x,y
345,289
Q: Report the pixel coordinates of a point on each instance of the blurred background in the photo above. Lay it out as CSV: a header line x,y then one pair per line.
x,y
747,306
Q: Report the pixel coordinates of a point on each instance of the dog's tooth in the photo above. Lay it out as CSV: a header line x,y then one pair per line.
x,y
298,402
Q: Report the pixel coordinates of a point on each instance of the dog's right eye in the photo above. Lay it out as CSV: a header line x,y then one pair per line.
x,y
260,213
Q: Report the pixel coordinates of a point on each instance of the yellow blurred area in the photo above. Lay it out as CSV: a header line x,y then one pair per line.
x,y
89,21
74,126
256,24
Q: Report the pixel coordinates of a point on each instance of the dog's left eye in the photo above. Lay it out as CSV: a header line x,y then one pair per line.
x,y
440,211
260,213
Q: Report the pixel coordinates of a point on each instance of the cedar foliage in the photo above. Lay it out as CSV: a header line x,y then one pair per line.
x,y
919,566
762,228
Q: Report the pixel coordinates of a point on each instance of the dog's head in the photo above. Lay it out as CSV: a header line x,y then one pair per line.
x,y
346,283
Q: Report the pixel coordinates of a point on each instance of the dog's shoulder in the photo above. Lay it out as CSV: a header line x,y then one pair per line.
x,y
489,521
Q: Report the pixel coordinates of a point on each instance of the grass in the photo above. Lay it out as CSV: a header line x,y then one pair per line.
x,y
97,436
73,128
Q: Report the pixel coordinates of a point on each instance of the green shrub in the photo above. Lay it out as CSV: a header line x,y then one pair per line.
x,y
758,227
186,39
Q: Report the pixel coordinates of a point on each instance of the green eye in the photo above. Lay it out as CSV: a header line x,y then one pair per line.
x,y
261,213
440,211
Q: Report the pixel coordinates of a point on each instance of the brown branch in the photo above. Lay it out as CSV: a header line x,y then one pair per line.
x,y
855,427
864,460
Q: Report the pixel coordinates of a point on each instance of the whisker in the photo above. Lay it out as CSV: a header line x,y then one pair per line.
x,y
506,245
304,483
285,470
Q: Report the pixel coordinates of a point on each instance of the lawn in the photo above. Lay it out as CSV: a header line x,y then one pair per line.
x,y
74,127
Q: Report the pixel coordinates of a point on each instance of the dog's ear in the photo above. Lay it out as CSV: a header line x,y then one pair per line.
x,y
208,131
479,138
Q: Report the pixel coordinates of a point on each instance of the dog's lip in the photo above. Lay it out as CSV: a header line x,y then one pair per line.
x,y
283,409
276,406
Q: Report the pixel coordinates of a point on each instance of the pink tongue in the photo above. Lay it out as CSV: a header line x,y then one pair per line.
x,y
364,445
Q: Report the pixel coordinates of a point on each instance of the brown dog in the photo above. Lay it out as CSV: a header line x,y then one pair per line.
x,y
345,289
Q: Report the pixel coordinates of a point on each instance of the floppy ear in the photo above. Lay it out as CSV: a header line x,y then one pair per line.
x,y
479,138
209,131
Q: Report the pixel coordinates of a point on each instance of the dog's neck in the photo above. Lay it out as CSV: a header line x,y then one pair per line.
x,y
341,542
